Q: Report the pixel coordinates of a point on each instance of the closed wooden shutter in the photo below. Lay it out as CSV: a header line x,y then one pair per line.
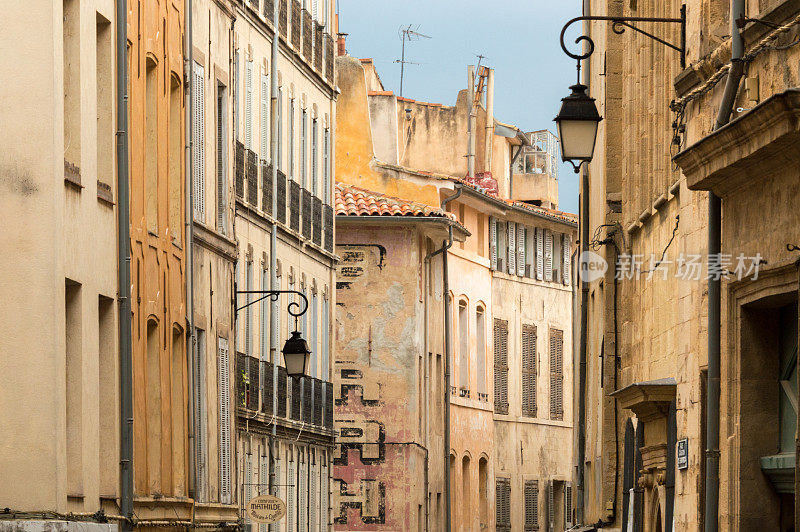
x,y
277,491
224,384
323,493
264,118
248,481
302,494
291,486
248,315
313,503
521,250
493,242
529,370
531,505
199,377
326,182
500,366
568,504
566,248
503,504
512,244
551,506
548,255
539,253
248,105
199,144
556,374
220,145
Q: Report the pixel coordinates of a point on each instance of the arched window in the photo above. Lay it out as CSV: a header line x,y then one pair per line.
x,y
466,493
463,343
153,402
483,492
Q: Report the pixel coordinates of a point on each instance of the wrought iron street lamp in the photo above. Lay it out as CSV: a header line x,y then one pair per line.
x,y
296,352
577,126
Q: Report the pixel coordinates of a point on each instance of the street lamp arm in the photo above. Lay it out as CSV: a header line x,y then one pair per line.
x,y
618,26
294,308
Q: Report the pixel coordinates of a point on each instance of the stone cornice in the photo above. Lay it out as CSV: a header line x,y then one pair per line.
x,y
756,143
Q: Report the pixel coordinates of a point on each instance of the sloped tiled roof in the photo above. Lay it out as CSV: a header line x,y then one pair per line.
x,y
354,201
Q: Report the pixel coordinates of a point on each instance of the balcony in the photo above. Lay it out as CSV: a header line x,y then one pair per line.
x,y
299,399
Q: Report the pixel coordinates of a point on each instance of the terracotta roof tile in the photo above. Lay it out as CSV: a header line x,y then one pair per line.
x,y
354,201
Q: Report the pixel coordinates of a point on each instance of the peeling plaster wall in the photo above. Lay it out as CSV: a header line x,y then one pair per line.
x,y
379,398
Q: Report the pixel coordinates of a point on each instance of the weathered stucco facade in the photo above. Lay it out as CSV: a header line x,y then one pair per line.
x,y
399,162
58,269
648,331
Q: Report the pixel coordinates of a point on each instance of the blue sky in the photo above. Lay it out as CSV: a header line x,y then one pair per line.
x,y
518,37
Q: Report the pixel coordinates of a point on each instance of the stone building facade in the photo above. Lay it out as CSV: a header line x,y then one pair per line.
x,y
401,189
647,336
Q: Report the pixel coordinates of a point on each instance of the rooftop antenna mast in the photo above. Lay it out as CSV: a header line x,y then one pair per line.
x,y
407,34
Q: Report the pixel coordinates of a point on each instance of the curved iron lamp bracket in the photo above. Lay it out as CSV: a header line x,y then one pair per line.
x,y
294,308
619,24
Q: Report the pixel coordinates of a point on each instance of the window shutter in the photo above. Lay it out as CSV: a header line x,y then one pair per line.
x,y
312,504
493,242
548,255
291,486
199,423
539,253
512,244
326,184
566,243
568,504
302,503
224,384
248,481
550,507
265,155
199,145
248,316
221,182
503,504
323,493
248,105
531,505
556,374
500,366
529,370
521,249
275,483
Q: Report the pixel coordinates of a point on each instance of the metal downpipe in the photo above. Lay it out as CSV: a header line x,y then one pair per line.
x,y
714,285
124,273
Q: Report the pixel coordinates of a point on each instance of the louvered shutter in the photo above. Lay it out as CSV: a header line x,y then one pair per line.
x,y
199,144
291,487
566,244
568,504
263,481
500,366
493,242
199,418
224,422
512,244
551,506
248,321
248,481
556,374
323,493
302,503
531,505
221,182
529,370
264,119
521,231
277,491
539,253
503,504
548,255
313,502
326,184
248,105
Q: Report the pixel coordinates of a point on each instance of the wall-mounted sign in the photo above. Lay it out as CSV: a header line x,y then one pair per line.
x,y
266,509
683,453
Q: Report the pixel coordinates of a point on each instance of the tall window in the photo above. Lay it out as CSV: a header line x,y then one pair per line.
x,y
500,366
556,374
223,362
312,334
304,148
264,311
502,493
291,138
106,402
248,105
72,86
314,157
153,402
179,414
248,316
175,158
480,352
529,370
463,346
326,158
221,146
73,344
199,143
531,505
264,119
279,129
151,146
104,94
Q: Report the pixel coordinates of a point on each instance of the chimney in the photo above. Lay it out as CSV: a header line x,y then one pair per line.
x,y
340,38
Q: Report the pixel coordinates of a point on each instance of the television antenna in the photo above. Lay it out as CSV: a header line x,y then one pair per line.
x,y
407,33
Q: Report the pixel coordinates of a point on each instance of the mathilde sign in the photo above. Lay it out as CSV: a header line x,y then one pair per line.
x,y
266,509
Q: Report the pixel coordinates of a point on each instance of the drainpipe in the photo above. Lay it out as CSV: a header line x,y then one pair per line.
x,y
714,287
191,352
446,293
124,274
511,171
487,164
273,238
